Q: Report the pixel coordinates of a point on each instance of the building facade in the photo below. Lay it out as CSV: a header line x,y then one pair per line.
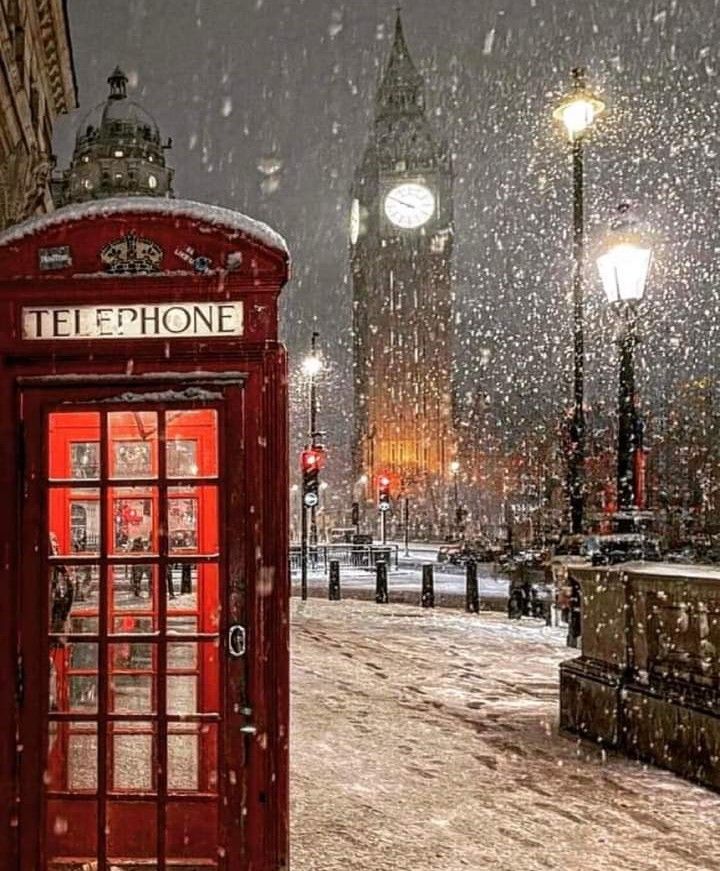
x,y
401,248
118,152
36,85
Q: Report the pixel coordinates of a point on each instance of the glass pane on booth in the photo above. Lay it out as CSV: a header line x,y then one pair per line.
x,y
132,678
71,756
191,443
134,589
133,444
193,677
74,599
74,521
131,756
192,520
193,603
133,511
74,445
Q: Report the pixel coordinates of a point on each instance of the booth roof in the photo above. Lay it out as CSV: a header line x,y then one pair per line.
x,y
207,214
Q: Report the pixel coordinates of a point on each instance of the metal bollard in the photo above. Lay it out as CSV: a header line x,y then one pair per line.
x,y
334,584
472,598
427,597
381,582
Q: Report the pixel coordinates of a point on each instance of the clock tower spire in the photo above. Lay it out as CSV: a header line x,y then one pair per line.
x,y
401,247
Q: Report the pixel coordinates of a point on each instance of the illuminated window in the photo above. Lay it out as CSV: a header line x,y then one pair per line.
x,y
84,459
118,153
152,182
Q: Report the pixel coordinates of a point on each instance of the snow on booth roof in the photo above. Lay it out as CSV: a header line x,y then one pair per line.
x,y
203,212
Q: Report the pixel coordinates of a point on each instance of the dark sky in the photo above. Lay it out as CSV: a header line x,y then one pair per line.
x,y
239,84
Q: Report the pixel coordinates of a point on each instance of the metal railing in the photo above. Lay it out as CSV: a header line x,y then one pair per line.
x,y
359,556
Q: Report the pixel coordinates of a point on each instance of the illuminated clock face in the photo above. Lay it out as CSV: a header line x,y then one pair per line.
x,y
354,221
409,205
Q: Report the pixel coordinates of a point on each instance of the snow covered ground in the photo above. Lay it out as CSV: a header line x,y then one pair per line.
x,y
427,741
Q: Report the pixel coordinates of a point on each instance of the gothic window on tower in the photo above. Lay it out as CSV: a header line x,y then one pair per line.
x,y
438,243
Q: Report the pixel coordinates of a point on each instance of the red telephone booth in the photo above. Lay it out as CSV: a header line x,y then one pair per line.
x,y
144,588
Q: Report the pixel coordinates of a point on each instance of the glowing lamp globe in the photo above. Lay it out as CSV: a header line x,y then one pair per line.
x,y
624,262
311,365
578,111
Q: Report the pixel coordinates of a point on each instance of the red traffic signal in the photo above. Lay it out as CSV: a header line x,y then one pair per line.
x,y
312,458
383,482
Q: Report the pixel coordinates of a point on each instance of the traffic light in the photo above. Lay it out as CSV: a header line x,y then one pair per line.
x,y
384,493
311,463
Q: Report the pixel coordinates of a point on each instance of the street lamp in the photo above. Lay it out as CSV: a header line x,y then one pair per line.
x,y
624,266
577,113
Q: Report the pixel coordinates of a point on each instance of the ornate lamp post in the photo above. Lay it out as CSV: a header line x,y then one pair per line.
x,y
624,266
577,113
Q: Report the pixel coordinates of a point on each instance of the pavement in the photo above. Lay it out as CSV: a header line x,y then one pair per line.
x,y
427,740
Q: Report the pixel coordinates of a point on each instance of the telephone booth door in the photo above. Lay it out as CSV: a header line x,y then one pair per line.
x,y
135,748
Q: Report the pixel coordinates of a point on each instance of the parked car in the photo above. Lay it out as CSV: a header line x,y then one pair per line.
x,y
480,551
448,550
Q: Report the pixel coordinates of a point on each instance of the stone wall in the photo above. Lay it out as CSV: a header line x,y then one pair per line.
x,y
647,681
37,85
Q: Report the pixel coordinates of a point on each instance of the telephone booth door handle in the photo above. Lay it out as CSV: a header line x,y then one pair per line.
x,y
237,641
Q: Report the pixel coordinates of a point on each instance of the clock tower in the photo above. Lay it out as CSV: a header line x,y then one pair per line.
x,y
401,236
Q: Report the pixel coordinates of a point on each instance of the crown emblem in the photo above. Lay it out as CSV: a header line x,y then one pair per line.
x,y
131,254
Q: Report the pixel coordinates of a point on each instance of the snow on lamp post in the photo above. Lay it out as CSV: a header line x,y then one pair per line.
x,y
577,113
624,266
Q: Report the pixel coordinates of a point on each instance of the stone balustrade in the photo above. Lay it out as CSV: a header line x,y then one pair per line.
x,y
647,682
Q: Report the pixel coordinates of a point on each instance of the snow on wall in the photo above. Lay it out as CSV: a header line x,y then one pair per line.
x,y
208,214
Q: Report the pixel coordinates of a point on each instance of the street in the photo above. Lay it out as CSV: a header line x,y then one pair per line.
x,y
428,740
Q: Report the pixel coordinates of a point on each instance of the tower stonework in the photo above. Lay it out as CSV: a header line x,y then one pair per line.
x,y
401,248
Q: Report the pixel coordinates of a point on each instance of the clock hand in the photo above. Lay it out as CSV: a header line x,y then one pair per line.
x,y
403,202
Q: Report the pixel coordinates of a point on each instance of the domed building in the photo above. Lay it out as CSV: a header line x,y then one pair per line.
x,y
118,153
